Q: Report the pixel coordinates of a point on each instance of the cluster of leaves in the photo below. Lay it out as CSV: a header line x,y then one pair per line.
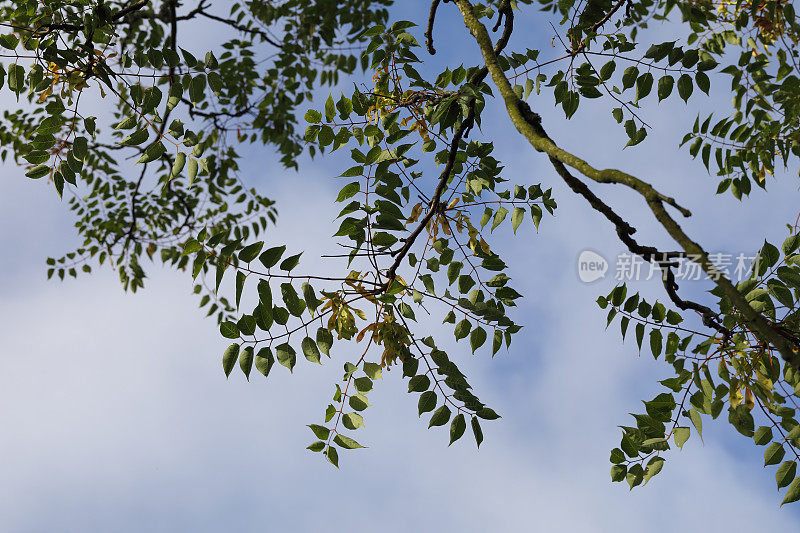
x,y
754,43
69,56
754,386
387,231
666,67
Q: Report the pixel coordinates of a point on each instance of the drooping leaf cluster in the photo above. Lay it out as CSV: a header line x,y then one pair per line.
x,y
142,136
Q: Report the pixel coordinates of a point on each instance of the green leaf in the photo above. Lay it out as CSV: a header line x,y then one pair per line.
x,y
477,431
16,78
348,191
477,338
241,278
37,157
763,435
406,311
629,77
499,216
265,302
264,361
310,297
352,421
332,455
191,170
457,428
190,60
9,41
177,165
785,473
174,95
516,218
644,85
487,414
774,454
741,418
462,329
197,88
639,335
313,116
674,318
191,246
685,87
38,171
249,253
346,442
152,152
363,384
697,421
286,356
793,492
419,383
654,466
791,244
665,85
330,109
607,70
373,370
440,417
703,82
427,402
617,456
656,342
320,431
681,435
290,262
229,358
487,215
80,148
324,341
294,304
465,283
229,330
358,402
635,475
316,446
310,350
271,256
246,361
136,138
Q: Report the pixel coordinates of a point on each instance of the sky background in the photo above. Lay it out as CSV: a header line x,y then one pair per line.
x,y
116,415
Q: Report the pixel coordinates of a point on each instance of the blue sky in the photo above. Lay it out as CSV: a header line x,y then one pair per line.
x,y
116,415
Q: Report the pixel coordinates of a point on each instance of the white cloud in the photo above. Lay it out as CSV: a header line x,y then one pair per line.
x,y
118,417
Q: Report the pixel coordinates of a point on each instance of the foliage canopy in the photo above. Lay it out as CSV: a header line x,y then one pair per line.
x,y
418,240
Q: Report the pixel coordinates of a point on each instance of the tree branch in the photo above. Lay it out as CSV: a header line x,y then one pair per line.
x,y
537,137
429,30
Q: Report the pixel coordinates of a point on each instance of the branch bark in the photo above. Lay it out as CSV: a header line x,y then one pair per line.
x,y
533,131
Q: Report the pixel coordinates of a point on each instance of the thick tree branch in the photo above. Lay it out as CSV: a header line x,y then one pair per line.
x,y
536,136
429,30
